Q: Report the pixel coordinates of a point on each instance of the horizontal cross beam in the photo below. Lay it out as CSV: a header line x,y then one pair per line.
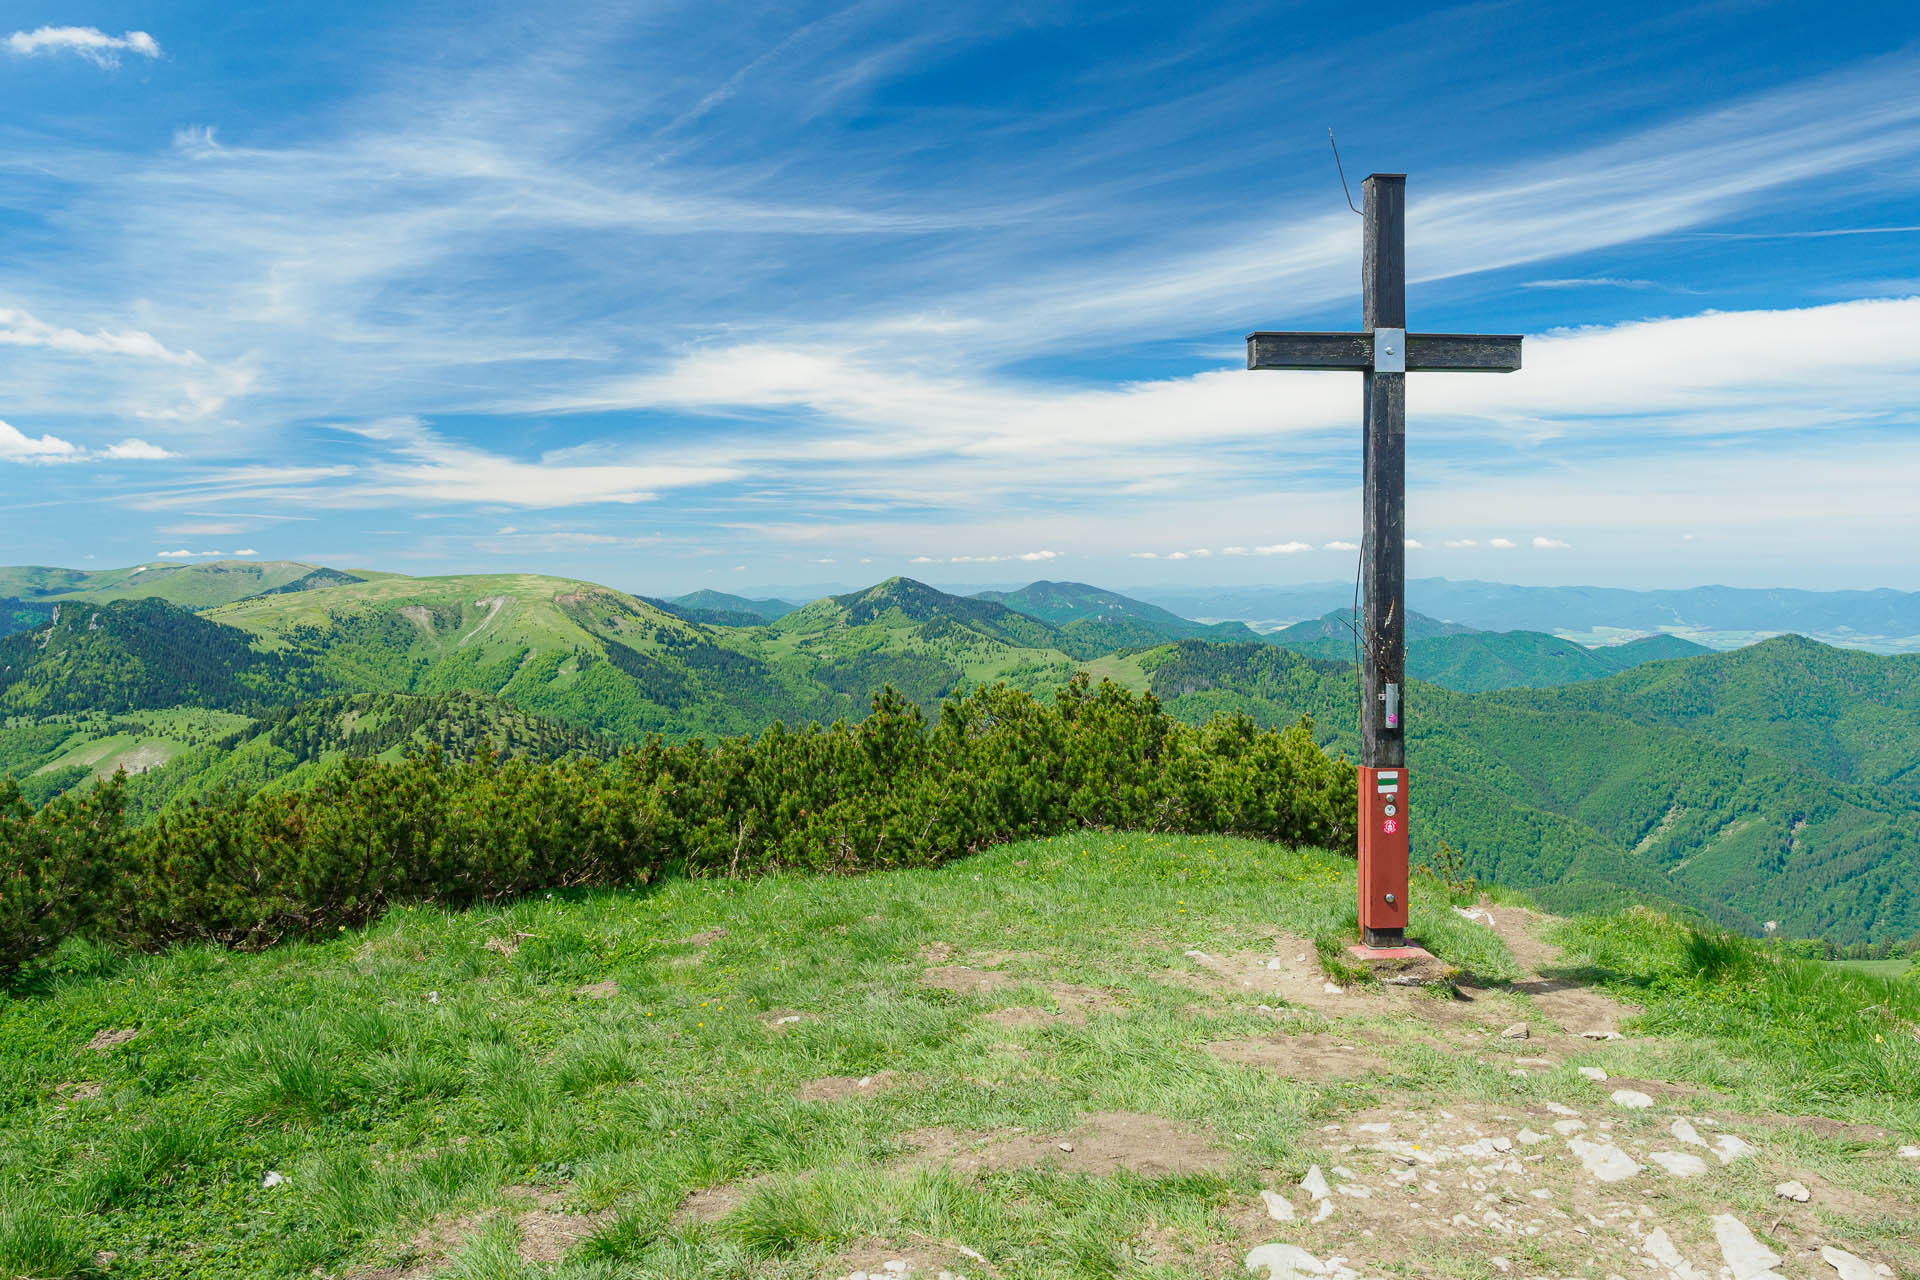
x,y
1426,352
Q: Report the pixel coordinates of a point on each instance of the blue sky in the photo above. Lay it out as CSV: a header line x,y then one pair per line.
x,y
670,296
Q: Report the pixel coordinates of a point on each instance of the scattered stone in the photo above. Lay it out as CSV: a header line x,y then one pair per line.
x,y
111,1038
1315,1184
1679,1163
1198,955
1730,1148
1528,1137
433,997
1601,1035
1518,1031
1683,1129
1325,1210
1064,1146
1793,1191
1290,1262
1279,1208
1746,1257
1593,1073
1631,1098
1603,1160
1850,1267
1908,1153
1330,988
1561,1109
273,1179
1659,1247
1566,1127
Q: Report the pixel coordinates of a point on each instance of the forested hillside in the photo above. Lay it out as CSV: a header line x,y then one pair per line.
x,y
1460,658
1093,621
1776,782
1600,794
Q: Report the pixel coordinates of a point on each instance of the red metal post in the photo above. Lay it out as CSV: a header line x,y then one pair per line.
x,y
1383,855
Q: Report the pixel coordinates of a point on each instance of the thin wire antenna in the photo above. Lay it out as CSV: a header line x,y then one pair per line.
x,y
1342,169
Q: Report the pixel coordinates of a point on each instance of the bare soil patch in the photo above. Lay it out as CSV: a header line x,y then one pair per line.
x,y
604,990
1075,1003
887,1260
1568,1002
705,938
710,1204
1301,1057
77,1091
840,1088
779,1020
1103,1143
111,1038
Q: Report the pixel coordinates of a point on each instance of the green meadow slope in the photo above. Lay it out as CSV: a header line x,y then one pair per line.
x,y
1070,1059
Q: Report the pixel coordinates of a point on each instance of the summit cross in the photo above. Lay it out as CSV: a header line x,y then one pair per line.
x,y
1385,353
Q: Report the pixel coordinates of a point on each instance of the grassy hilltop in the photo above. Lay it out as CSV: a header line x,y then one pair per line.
x,y
1079,1057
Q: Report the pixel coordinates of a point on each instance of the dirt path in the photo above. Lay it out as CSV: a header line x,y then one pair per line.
x,y
1574,1006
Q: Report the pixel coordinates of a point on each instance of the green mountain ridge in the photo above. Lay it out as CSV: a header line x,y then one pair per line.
x,y
1093,621
1776,782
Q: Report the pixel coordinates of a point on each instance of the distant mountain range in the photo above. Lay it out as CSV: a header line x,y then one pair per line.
x,y
1776,782
1721,617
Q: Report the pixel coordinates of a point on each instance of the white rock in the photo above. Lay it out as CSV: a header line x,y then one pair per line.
x,y
1593,1073
1065,1146
1730,1148
1908,1153
1503,1144
1746,1257
1331,988
1279,1208
1528,1137
1325,1210
1198,955
1377,1127
433,997
1561,1109
790,1018
1315,1184
1603,1160
1518,1031
1679,1163
897,1266
1355,1190
1289,1262
1601,1035
1793,1191
1660,1248
1849,1267
1683,1129
1565,1127
1632,1098
273,1178
1274,963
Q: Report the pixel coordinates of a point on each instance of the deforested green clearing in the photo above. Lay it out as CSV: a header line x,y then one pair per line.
x,y
1084,1056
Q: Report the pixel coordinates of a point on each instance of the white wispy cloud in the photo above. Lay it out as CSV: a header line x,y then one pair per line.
x,y
1542,543
1504,544
1593,282
135,450
17,446
1457,543
91,43
184,554
20,328
1340,544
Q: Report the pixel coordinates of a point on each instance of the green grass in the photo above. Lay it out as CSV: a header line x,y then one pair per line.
x,y
1876,968
408,1078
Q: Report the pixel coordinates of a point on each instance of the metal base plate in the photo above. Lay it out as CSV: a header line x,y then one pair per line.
x,y
1359,952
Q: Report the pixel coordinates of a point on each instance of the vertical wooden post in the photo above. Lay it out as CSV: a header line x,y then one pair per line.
x,y
1383,278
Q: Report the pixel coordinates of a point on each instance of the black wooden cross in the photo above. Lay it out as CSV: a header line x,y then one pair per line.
x,y
1385,353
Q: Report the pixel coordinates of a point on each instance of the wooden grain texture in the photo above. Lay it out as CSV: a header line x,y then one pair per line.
x,y
1463,352
1383,569
1290,350
1383,251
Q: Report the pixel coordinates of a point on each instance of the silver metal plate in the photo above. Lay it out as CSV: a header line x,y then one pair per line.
x,y
1389,350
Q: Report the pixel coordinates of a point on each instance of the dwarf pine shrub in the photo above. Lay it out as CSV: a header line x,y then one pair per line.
x,y
892,790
